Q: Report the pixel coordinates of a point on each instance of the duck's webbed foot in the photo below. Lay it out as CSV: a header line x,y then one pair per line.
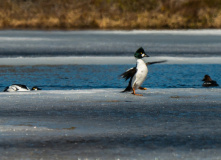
x,y
135,93
142,88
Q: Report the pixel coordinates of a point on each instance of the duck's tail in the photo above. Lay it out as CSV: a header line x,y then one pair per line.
x,y
129,88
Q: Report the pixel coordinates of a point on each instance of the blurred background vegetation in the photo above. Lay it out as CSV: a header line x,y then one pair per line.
x,y
110,14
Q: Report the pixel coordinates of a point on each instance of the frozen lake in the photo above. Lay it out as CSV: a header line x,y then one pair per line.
x,y
81,114
106,124
65,60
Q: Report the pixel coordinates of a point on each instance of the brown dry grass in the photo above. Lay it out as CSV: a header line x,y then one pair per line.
x,y
109,14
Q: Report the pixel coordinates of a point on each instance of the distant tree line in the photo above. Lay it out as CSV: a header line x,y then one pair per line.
x,y
110,14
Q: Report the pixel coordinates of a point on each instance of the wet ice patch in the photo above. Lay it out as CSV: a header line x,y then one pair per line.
x,y
19,129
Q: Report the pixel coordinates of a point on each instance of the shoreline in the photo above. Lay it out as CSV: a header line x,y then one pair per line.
x,y
215,31
73,14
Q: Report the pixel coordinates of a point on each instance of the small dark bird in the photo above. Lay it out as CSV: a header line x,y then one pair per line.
x,y
208,82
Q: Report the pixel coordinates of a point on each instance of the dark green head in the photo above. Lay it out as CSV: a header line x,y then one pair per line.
x,y
140,53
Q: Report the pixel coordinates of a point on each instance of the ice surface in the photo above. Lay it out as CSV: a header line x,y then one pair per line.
x,y
106,124
102,60
177,43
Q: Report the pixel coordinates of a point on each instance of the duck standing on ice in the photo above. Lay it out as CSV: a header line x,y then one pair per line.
x,y
138,74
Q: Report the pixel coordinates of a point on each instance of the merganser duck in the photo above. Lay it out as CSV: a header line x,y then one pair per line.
x,y
19,88
137,74
208,82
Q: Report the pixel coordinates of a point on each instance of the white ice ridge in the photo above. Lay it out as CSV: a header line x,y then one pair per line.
x,y
189,32
102,60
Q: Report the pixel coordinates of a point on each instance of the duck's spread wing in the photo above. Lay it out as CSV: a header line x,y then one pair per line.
x,y
149,63
129,73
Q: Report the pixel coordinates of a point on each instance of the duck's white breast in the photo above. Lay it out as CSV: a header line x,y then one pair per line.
x,y
140,75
